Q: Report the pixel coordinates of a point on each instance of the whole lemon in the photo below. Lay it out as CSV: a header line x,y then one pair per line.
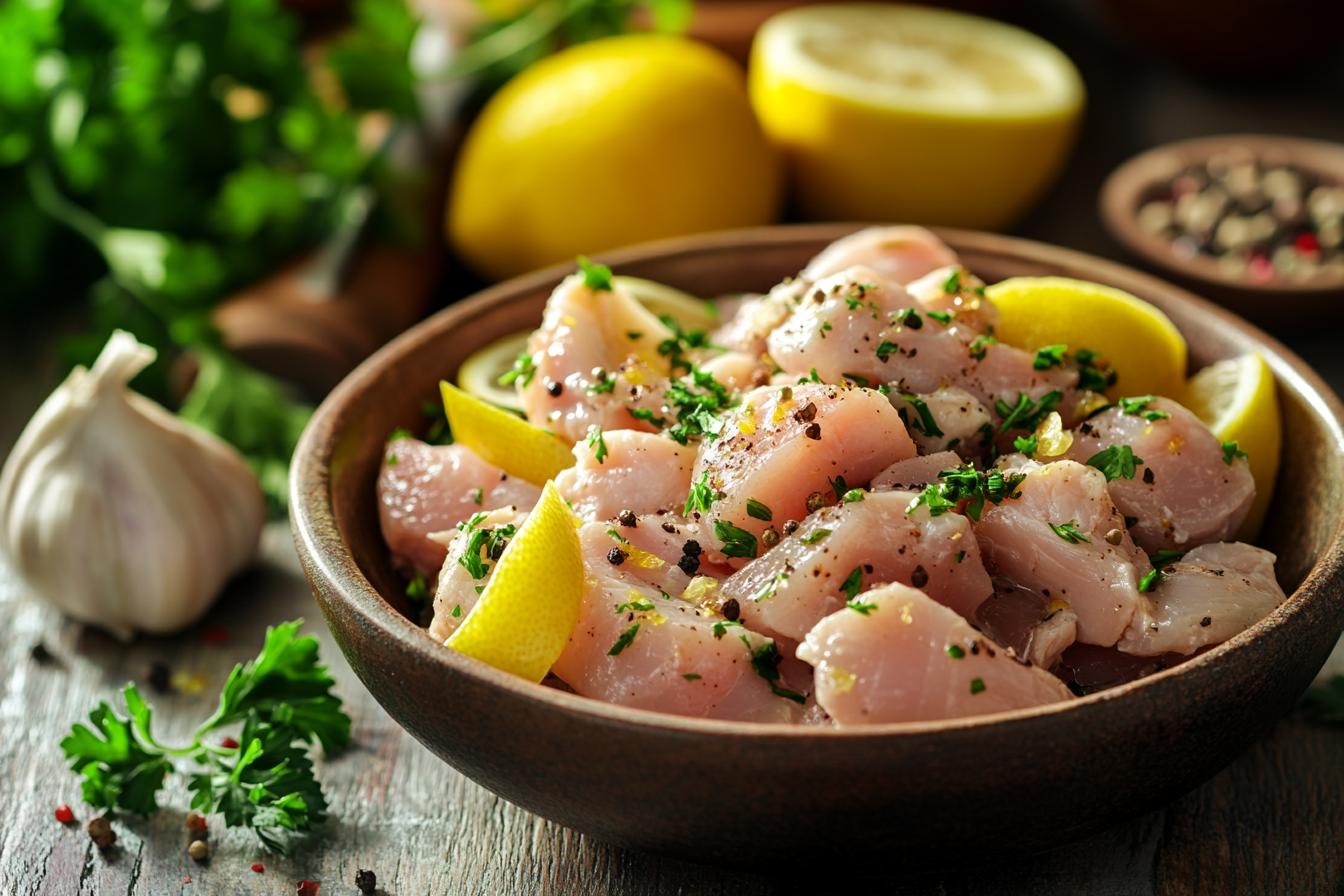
x,y
605,144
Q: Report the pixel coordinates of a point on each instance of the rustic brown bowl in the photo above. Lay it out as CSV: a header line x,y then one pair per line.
x,y
1279,304
904,797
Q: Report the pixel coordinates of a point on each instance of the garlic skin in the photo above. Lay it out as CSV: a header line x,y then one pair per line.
x,y
118,512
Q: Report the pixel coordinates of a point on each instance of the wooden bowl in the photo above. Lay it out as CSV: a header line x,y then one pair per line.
x,y
902,797
1277,305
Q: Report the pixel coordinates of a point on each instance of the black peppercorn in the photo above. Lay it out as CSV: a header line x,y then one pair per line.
x,y
367,881
813,431
920,577
731,609
616,556
627,519
554,388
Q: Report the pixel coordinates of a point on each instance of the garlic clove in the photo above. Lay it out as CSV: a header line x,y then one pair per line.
x,y
118,512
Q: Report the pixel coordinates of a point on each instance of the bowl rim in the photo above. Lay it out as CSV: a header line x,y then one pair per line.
x,y
321,543
1117,202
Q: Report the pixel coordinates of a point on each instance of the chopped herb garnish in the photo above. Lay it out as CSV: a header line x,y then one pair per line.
x,y
815,536
736,542
523,370
838,486
858,606
457,609
1025,444
970,486
956,652
1135,407
675,347
853,496
1131,522
722,626
1167,556
596,277
1091,375
1069,532
860,381
618,536
953,283
647,416
853,583
1117,461
641,604
701,497
942,317
812,377
977,685
886,349
477,496
926,425
825,325
690,676
697,411
756,510
910,317
981,346
418,589
605,385
770,586
595,440
951,444
625,640
1232,451
765,660
400,433
1151,580
1027,414
1050,356
961,555
393,460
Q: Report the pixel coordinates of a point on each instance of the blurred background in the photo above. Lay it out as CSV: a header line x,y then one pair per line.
x,y
266,192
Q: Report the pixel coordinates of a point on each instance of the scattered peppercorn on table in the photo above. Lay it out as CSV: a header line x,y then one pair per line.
x,y
1271,823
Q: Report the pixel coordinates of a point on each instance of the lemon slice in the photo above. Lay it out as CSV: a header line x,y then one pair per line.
x,y
515,446
1138,340
523,619
889,112
479,374
1239,401
688,311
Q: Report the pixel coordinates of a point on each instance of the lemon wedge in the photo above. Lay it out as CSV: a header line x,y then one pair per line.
x,y
888,112
1138,340
523,619
688,311
498,437
479,374
1239,401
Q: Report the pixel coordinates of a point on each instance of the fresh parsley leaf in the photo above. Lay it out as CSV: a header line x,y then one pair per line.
x,y
699,400
524,369
640,604
956,652
477,496
400,433
1232,451
977,685
417,592
1025,444
1093,373
838,486
721,627
119,772
603,386
953,283
1166,556
943,317
756,510
852,583
595,440
886,349
701,497
675,347
1050,356
926,425
860,381
765,661
1117,461
647,416
853,496
1151,580
596,277
969,487
980,347
1135,407
770,586
690,676
625,640
736,542
815,536
1069,532
1027,414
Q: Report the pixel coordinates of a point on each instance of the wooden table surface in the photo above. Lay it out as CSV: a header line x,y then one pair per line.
x,y
1271,823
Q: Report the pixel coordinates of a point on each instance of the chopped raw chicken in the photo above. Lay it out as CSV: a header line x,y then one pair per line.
x,y
782,444
1036,628
1213,593
901,253
840,551
638,471
635,646
1056,541
1183,490
955,290
913,473
903,657
431,488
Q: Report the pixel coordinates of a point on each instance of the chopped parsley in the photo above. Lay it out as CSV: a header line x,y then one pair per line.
x,y
980,346
886,349
675,347
393,460
1069,532
1131,522
926,425
605,385
943,317
756,510
1151,580
524,368
853,583
400,433
770,586
838,486
634,335
721,627
736,542
477,496
765,661
825,325
1135,407
1116,462
956,652
647,416
457,609
1050,356
697,411
1232,451
860,381
815,536
640,604
596,277
595,440
961,555
1027,414
953,283
812,377
625,640
853,496
1091,375
910,317
417,592
977,685
690,676
969,486
1025,444
701,496
1167,556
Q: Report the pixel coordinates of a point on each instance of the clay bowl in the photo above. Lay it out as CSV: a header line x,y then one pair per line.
x,y
1280,304
907,797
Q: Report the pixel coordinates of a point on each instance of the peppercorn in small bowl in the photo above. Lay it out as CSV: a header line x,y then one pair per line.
x,y
1253,222
900,797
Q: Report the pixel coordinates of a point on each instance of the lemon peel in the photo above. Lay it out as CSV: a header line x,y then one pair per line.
x,y
1237,398
1136,338
525,615
498,437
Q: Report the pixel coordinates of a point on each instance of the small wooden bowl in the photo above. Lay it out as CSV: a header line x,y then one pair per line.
x,y
1278,305
904,797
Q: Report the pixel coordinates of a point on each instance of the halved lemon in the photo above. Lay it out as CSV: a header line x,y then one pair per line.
x,y
688,311
1239,401
523,619
498,437
1137,339
888,112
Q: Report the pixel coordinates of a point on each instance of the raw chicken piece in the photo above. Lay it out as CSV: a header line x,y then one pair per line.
x,y
673,662
958,421
431,488
861,324
1036,628
802,580
907,658
901,253
1213,593
1184,493
738,371
781,444
913,473
666,551
585,334
1006,374
963,297
640,472
457,591
1098,580
745,332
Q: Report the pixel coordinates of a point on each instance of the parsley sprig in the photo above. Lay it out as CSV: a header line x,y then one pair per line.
x,y
1115,462
967,488
699,399
1027,414
283,700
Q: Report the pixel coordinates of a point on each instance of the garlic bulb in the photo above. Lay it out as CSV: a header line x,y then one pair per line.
x,y
118,512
